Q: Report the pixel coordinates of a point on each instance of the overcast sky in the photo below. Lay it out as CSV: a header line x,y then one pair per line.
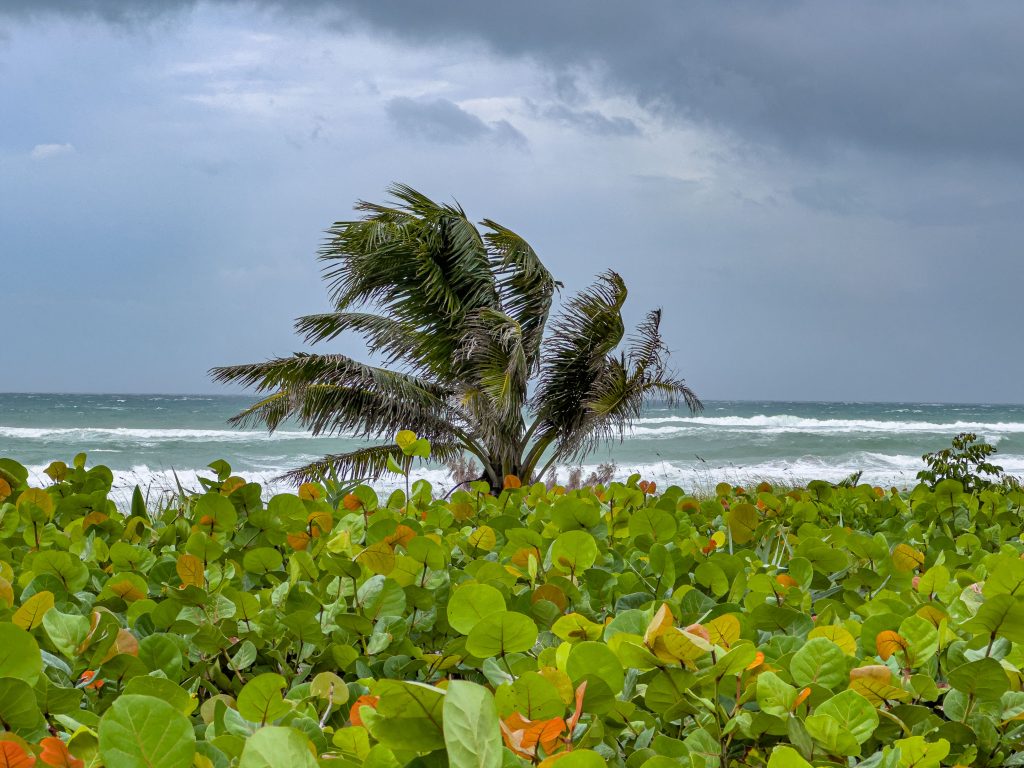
x,y
826,198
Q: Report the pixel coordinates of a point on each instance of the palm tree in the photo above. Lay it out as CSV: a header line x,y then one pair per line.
x,y
460,320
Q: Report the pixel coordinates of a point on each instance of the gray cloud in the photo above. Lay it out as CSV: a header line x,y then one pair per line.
x,y
589,120
445,122
914,77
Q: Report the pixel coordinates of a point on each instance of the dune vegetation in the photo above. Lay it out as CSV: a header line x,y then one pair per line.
x,y
619,625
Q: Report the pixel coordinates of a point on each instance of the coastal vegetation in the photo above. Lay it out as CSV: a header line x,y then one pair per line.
x,y
459,317
620,624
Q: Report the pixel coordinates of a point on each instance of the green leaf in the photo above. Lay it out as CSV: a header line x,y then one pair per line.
x,y
819,661
163,689
743,521
19,711
409,716
915,752
472,602
501,633
66,631
19,654
471,731
275,746
597,659
984,679
532,696
774,695
786,757
574,550
853,712
1001,615
261,701
143,732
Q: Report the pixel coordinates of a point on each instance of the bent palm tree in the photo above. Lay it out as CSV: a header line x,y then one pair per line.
x,y
459,319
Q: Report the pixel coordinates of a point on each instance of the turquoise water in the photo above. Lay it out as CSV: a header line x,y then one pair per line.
x,y
150,439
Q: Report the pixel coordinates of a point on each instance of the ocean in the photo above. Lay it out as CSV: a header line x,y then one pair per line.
x,y
156,440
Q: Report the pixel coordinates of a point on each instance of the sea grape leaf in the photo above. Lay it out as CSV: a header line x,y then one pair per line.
x,y
531,695
591,658
983,679
144,732
574,550
19,710
260,700
471,732
274,746
786,757
853,712
501,633
409,715
819,661
743,521
1001,615
30,614
472,602
19,654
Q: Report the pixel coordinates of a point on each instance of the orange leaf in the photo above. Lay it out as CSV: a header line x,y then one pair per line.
x,y
698,630
14,756
5,489
401,537
580,692
309,492
552,594
320,522
298,541
786,580
511,481
351,502
757,662
888,642
365,700
55,753
800,697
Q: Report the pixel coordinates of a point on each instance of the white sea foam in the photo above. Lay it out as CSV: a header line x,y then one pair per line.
x,y
786,423
74,435
876,468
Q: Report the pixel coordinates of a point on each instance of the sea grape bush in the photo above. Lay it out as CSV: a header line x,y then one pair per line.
x,y
614,625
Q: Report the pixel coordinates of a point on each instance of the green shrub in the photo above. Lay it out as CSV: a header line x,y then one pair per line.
x,y
608,625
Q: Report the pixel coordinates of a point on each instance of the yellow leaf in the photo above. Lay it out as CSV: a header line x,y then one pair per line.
x,y
30,614
661,622
405,438
379,558
724,630
6,592
190,570
483,538
681,645
905,558
39,498
126,590
231,485
838,635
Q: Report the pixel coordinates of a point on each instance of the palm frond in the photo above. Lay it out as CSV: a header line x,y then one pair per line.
x,y
364,463
524,284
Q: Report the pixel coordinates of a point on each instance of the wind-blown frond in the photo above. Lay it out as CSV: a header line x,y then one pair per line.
x,y
364,463
524,284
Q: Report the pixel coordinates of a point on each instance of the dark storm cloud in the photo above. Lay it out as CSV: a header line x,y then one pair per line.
x,y
916,77
589,120
445,122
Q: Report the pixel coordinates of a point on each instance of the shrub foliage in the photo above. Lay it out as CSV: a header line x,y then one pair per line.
x,y
606,626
